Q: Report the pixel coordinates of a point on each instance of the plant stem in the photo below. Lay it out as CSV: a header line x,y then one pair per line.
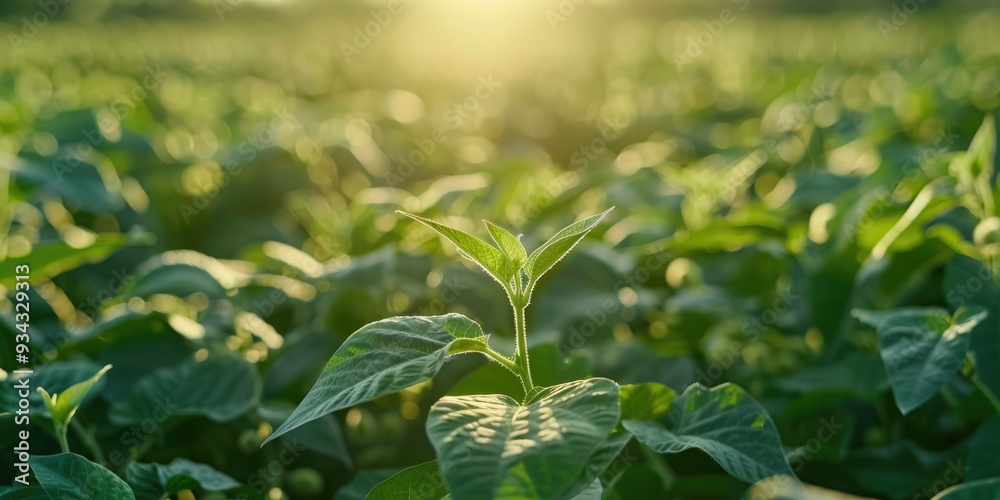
x,y
503,360
61,434
87,438
522,348
987,392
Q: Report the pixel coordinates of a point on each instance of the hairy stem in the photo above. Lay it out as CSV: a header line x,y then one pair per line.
x,y
503,360
522,348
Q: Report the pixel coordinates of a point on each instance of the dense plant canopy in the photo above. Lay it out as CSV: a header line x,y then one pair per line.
x,y
244,261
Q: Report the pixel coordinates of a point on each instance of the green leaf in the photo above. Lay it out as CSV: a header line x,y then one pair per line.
x,y
50,259
603,456
179,280
646,401
592,492
724,422
984,489
75,181
984,451
157,481
489,258
63,405
874,319
362,483
491,446
183,272
382,358
977,162
420,482
68,476
28,493
185,390
921,349
546,256
967,282
509,244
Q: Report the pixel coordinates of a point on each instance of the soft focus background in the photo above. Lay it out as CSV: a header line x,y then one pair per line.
x,y
194,179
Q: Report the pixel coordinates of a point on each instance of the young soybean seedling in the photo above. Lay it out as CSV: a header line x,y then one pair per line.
x,y
557,441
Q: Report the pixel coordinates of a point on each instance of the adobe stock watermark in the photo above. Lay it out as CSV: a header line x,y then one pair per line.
x,y
120,108
776,486
788,121
453,118
751,332
138,435
901,13
246,151
962,293
562,11
366,33
223,7
912,169
953,474
31,25
264,477
611,129
696,45
449,290
598,317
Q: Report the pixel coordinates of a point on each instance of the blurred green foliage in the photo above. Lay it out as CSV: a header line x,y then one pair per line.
x,y
210,202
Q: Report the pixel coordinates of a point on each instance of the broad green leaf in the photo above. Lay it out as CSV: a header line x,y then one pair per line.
x,y
606,456
592,492
182,273
509,245
362,483
921,350
158,481
50,259
984,451
384,357
873,318
489,258
552,251
28,493
72,179
68,476
492,446
983,489
63,405
724,422
420,482
221,388
646,401
967,282
179,280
